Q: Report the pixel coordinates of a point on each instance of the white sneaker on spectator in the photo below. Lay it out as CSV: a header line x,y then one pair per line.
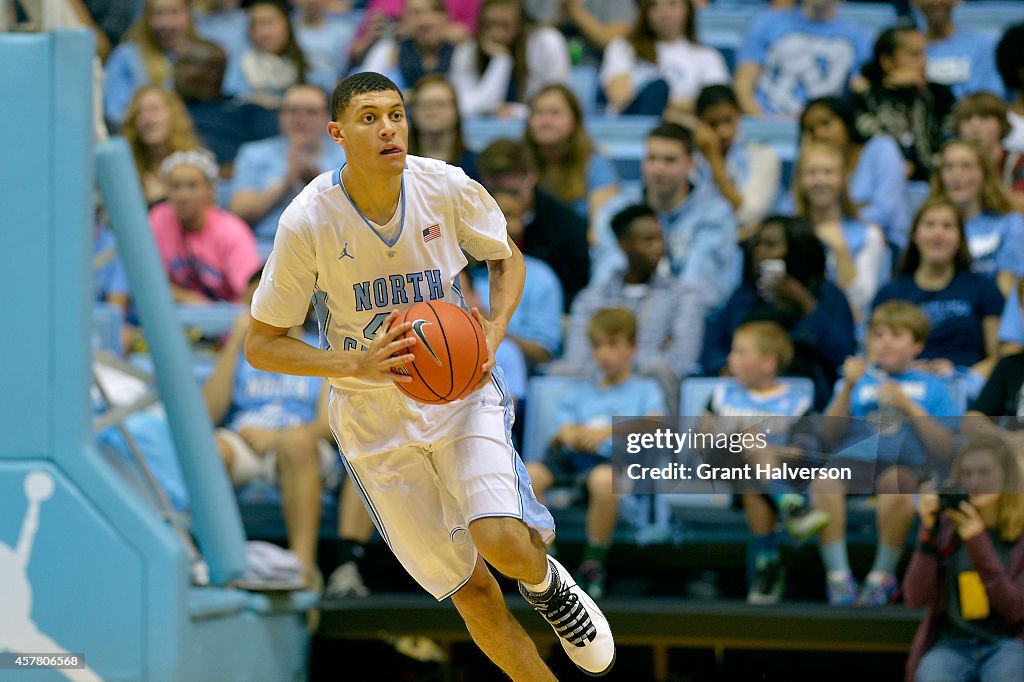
x,y
346,582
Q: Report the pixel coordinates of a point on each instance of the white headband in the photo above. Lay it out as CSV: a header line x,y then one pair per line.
x,y
200,158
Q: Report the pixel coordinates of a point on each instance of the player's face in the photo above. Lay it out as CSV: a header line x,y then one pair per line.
x,y
982,476
821,178
892,348
434,110
153,120
374,132
822,125
937,236
961,174
644,244
724,120
613,353
666,166
667,18
551,120
268,28
746,363
303,116
189,192
169,20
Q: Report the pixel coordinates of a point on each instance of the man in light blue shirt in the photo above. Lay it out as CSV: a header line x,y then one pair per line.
x,y
700,226
792,56
958,57
269,173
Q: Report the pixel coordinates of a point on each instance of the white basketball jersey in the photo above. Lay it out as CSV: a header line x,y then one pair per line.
x,y
325,246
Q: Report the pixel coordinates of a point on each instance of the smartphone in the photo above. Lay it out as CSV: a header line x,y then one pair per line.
x,y
772,270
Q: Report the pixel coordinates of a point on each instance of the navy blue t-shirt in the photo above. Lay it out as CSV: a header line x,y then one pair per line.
x,y
955,313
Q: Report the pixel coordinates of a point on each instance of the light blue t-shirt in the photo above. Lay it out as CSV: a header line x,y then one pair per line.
x,y
867,441
1011,324
801,59
123,74
600,174
260,164
228,28
326,49
270,400
878,187
772,412
595,405
996,243
539,315
111,278
965,61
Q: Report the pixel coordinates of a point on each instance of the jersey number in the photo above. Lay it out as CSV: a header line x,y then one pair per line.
x,y
369,331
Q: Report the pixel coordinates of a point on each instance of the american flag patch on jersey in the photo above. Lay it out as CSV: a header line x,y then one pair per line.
x,y
432,232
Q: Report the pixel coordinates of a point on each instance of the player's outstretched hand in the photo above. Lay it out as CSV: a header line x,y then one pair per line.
x,y
387,351
493,334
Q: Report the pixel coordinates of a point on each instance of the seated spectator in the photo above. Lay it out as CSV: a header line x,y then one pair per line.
x,y
968,570
270,173
568,162
273,60
208,253
588,25
424,51
962,307
999,408
792,56
746,174
669,312
145,57
553,233
700,228
436,130
324,39
198,75
508,62
856,251
536,325
660,64
874,174
797,295
958,57
156,125
981,118
381,18
1010,60
886,460
995,234
109,279
273,428
760,353
900,102
223,22
580,452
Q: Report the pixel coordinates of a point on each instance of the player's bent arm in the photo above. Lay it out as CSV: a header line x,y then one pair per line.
x,y
271,349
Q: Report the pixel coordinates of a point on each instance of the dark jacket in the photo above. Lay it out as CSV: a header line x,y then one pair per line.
x,y
557,235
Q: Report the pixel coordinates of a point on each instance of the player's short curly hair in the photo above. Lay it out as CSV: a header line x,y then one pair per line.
x,y
359,84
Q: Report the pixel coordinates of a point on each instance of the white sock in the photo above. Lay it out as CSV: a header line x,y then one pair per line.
x,y
542,585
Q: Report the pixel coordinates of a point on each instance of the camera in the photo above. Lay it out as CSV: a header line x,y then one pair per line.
x,y
951,497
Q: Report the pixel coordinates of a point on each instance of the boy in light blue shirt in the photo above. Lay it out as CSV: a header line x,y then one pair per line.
x,y
889,454
761,351
958,57
582,446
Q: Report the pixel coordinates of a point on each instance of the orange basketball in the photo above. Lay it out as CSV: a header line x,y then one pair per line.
x,y
449,349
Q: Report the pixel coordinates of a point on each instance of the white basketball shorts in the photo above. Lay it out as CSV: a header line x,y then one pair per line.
x,y
426,471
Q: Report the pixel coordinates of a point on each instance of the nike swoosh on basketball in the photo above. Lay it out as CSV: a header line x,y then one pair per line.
x,y
417,329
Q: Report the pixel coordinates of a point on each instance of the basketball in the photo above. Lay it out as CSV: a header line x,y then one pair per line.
x,y
449,350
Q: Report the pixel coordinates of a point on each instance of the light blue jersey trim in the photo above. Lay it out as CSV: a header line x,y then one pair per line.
x,y
401,226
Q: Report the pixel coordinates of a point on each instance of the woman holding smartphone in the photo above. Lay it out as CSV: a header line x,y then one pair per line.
x,y
968,569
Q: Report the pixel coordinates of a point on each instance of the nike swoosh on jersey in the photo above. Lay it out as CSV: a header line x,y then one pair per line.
x,y
417,328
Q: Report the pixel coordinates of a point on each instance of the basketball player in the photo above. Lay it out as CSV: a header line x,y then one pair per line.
x,y
443,484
